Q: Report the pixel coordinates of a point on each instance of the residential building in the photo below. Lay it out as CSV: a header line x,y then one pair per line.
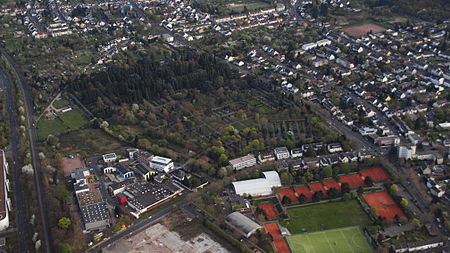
x,y
334,147
243,162
281,153
262,158
423,245
296,152
406,152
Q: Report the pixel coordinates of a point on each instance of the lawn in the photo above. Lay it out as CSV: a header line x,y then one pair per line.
x,y
67,121
74,119
326,216
47,127
58,104
343,240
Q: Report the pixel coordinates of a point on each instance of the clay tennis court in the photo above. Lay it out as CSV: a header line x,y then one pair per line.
x,y
288,192
385,205
273,229
377,174
70,164
361,30
332,183
317,186
269,210
281,246
303,190
353,180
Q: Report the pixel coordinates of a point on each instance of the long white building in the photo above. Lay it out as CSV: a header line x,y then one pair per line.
x,y
259,186
4,188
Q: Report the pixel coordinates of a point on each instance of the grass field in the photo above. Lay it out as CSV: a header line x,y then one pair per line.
x,y
343,240
67,121
326,216
58,104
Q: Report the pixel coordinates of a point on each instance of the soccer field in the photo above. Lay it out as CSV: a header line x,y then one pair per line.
x,y
342,240
325,216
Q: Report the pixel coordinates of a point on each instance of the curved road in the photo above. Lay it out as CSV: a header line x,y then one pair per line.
x,y
20,208
46,237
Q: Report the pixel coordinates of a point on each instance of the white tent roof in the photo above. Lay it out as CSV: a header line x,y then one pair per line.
x,y
259,186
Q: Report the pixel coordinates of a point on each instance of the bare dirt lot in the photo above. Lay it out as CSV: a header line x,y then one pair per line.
x,y
360,30
159,239
70,164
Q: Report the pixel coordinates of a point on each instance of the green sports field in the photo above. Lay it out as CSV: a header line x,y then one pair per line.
x,y
325,216
342,240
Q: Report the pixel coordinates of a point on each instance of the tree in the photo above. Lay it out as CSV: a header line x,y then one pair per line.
x,y
318,195
416,221
302,198
64,222
64,248
394,188
373,211
345,187
332,192
396,218
286,200
327,172
368,181
286,178
404,202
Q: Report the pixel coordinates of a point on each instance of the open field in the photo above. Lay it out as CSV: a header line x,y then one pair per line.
x,y
60,103
361,30
326,216
384,204
89,142
343,240
70,164
65,122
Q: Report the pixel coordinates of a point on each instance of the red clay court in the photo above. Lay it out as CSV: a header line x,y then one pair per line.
x,y
288,192
317,186
332,183
385,205
353,180
269,210
377,174
303,190
273,229
281,246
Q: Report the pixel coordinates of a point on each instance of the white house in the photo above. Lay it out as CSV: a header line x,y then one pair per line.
x,y
281,153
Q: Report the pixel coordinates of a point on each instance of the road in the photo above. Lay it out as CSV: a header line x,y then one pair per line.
x,y
46,237
23,230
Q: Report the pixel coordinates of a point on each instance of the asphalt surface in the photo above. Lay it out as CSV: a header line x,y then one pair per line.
x,y
46,237
21,217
